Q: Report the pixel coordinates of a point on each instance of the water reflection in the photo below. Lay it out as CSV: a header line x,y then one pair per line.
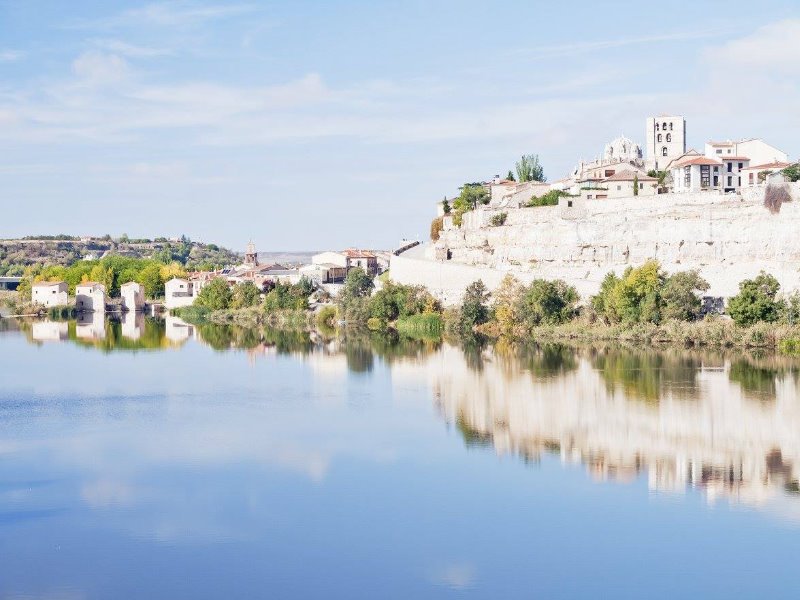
x,y
685,419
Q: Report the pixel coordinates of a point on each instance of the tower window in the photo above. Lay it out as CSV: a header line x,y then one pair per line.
x,y
656,126
659,137
664,151
664,125
670,126
669,137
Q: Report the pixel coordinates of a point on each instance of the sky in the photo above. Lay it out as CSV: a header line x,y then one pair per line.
x,y
312,125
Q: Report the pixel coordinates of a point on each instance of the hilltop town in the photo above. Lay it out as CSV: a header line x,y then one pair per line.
x,y
725,210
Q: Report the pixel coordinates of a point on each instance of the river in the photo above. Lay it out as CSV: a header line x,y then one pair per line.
x,y
155,459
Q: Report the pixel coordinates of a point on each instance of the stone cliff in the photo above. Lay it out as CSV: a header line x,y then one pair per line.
x,y
726,237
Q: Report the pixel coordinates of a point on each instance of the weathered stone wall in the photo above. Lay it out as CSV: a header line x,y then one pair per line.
x,y
726,237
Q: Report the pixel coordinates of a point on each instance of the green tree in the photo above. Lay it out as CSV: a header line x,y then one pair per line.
x,y
792,172
505,302
357,284
529,168
636,185
446,208
756,301
510,176
150,278
547,302
680,296
472,194
215,295
474,307
245,295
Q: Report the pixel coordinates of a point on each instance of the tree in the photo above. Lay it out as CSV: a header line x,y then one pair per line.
x,y
446,206
510,176
547,302
756,301
436,228
633,298
472,194
358,284
506,299
636,185
474,309
245,295
680,295
150,278
529,168
215,295
792,172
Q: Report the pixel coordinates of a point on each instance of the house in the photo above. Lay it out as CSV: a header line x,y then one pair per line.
x,y
757,150
179,292
512,194
132,295
90,296
696,173
50,293
622,184
324,273
362,258
758,174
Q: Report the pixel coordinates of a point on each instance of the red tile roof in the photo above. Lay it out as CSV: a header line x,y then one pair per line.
x,y
700,160
772,165
736,158
629,176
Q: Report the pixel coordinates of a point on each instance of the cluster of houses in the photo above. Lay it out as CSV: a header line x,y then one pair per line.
x,y
624,169
90,296
327,270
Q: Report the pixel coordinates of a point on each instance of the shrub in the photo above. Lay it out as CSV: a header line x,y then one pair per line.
x,y
547,302
551,198
474,309
756,301
394,300
245,295
774,196
215,295
680,298
326,316
472,194
436,228
422,325
376,324
504,307
498,219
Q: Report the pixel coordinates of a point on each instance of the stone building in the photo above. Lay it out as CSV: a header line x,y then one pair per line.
x,y
665,140
50,293
90,296
132,295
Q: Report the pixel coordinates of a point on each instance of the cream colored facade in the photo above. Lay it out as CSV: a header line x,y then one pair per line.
x,y
90,296
132,295
178,293
50,293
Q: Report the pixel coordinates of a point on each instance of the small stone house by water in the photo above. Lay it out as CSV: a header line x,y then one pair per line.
x,y
90,296
50,293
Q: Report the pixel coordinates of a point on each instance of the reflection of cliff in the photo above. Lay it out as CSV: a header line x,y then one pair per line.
x,y
684,419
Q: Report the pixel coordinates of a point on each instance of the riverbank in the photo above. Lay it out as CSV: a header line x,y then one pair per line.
x,y
708,333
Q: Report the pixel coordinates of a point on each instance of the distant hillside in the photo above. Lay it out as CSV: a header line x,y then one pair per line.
x,y
17,254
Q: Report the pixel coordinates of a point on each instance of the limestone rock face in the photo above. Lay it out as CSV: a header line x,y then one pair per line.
x,y
726,237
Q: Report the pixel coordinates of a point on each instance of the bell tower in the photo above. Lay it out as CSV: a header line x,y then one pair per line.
x,y
251,256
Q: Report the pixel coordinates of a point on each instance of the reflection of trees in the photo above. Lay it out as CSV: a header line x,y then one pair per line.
x,y
647,374
547,360
361,346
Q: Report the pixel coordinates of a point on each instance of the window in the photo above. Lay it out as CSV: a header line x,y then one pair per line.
x,y
659,137
664,151
687,177
719,150
664,126
588,196
656,126
670,126
741,165
729,150
750,179
619,188
740,182
730,167
641,186
716,169
569,203
716,179
669,137
730,181
705,176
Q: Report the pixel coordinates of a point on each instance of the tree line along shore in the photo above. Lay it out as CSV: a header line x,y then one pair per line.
x,y
643,305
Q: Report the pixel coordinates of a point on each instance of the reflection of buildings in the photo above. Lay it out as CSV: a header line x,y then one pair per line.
x,y
91,326
132,325
49,331
177,330
708,433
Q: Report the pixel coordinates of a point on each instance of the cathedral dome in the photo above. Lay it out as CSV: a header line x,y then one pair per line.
x,y
622,148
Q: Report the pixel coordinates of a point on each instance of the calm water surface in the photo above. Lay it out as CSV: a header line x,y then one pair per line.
x,y
147,459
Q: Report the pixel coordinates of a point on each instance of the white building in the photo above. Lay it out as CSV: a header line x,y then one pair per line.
x,y
132,295
757,150
50,293
50,331
132,325
696,173
90,296
666,140
179,292
760,174
91,326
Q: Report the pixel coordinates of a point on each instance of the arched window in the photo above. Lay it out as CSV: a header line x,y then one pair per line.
x,y
664,151
659,137
669,137
664,126
670,126
656,126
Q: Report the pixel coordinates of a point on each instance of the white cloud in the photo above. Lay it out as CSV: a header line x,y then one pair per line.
x,y
773,49
11,55
100,68
130,50
179,13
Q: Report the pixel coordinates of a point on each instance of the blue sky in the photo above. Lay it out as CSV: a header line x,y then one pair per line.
x,y
308,125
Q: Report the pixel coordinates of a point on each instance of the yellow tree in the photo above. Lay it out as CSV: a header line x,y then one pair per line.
x,y
506,297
